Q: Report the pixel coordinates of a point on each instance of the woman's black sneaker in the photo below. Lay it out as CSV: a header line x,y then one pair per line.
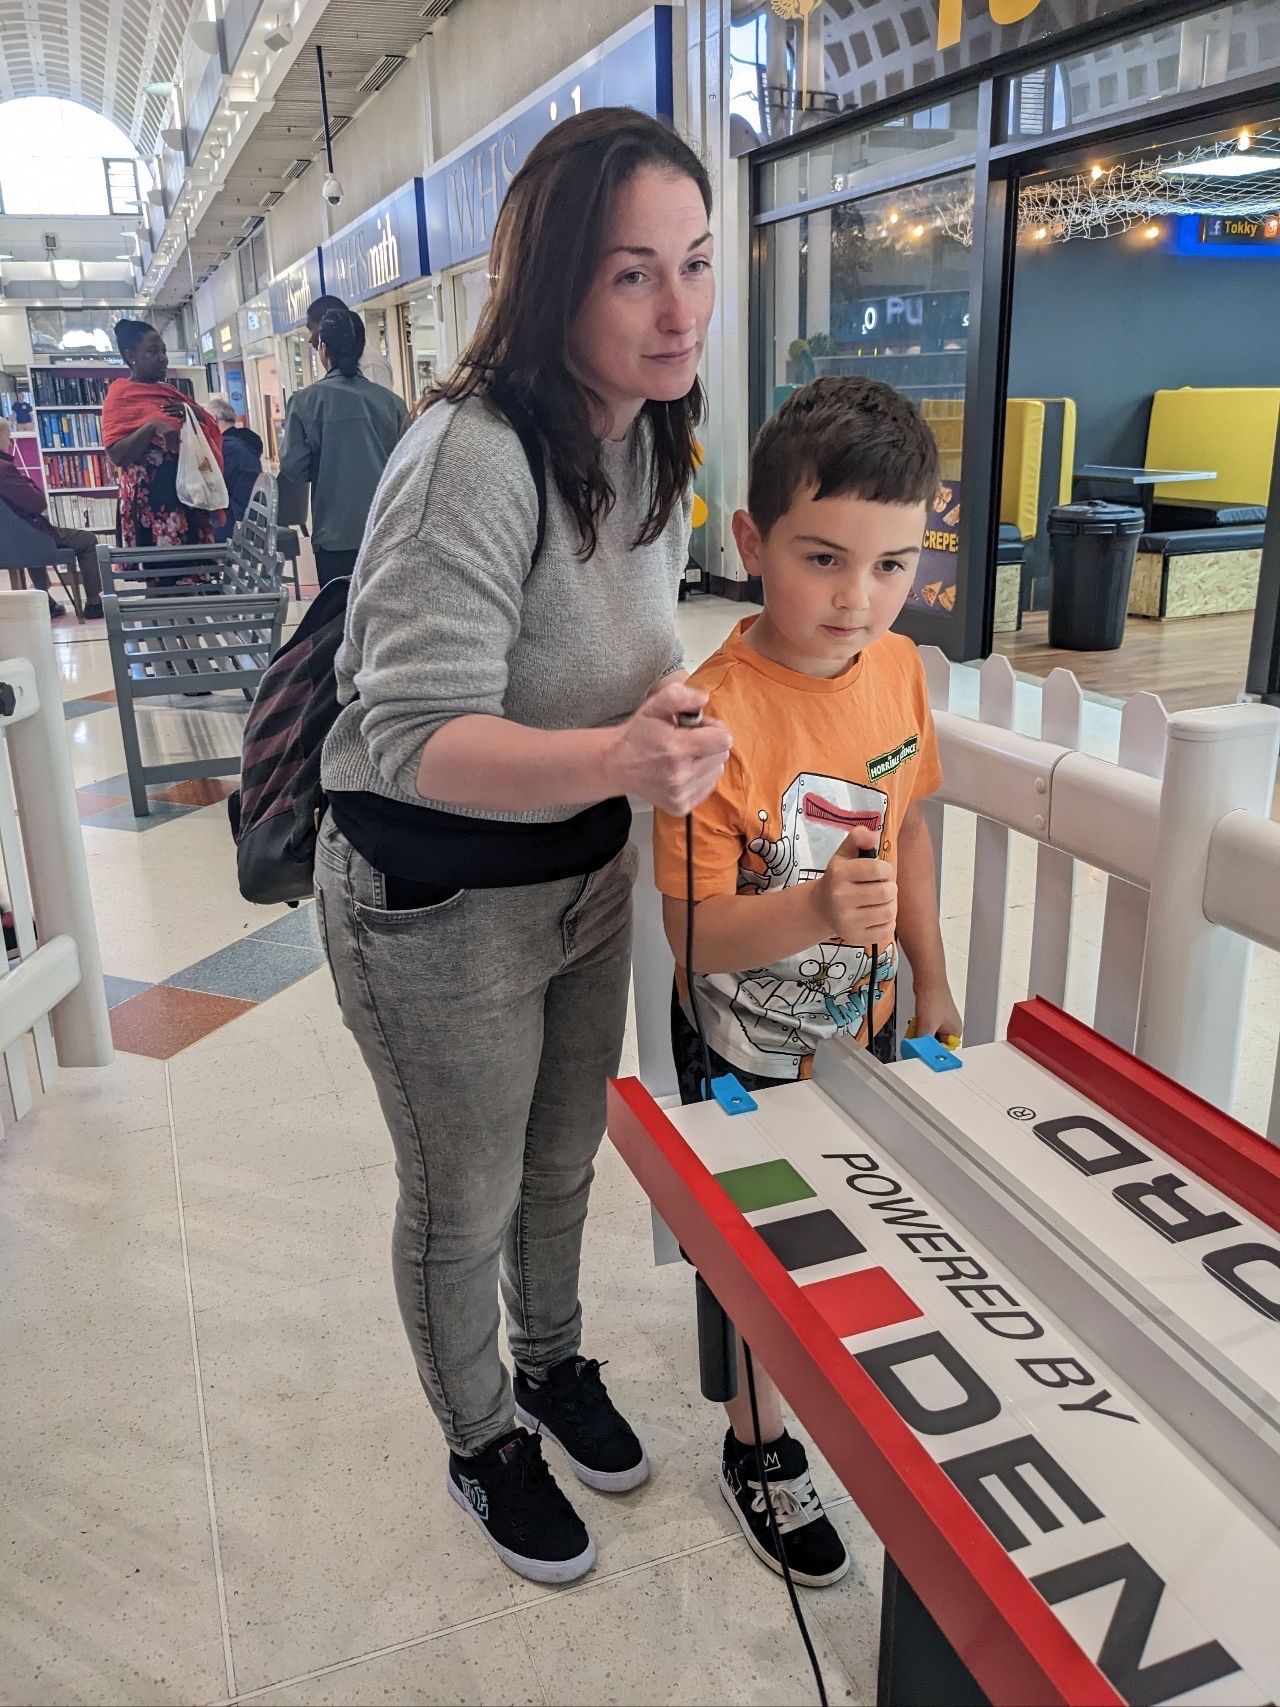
x,y
509,1491
573,1408
815,1553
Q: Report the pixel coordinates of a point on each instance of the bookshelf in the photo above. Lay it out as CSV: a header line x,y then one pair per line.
x,y
79,476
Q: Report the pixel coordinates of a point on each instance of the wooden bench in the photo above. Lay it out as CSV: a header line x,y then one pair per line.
x,y
192,619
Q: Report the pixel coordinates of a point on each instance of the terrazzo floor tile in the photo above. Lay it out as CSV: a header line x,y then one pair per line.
x,y
121,989
162,1021
483,1667
251,970
123,817
705,1630
296,927
197,791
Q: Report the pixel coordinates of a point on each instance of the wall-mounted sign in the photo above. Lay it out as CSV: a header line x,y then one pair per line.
x,y
228,339
935,582
255,327
384,248
464,192
237,395
931,319
292,292
796,62
206,346
1240,228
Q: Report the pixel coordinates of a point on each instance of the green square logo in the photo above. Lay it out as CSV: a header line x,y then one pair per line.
x,y
765,1185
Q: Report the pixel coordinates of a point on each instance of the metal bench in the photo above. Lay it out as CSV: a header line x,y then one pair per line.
x,y
192,619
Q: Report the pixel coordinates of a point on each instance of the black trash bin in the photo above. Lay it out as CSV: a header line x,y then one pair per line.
x,y
1091,552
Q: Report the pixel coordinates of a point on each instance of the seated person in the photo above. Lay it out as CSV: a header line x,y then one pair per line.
x,y
21,493
834,749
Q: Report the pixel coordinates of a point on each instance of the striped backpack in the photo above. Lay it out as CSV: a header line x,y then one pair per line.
x,y
275,813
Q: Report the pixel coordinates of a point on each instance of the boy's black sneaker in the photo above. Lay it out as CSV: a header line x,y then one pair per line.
x,y
573,1408
509,1491
815,1553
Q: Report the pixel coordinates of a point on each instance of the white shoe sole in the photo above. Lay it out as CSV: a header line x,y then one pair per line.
x,y
603,1481
537,1570
766,1557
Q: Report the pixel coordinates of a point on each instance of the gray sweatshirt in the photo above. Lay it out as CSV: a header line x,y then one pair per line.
x,y
446,618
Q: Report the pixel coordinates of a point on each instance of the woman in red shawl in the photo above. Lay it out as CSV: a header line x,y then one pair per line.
x,y
141,420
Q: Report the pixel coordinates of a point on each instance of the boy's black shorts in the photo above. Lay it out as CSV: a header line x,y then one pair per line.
x,y
688,1055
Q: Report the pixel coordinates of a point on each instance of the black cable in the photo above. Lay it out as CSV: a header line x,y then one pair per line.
x,y
772,1517
749,1365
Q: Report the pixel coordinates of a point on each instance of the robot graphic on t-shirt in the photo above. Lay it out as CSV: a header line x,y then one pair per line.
x,y
785,1007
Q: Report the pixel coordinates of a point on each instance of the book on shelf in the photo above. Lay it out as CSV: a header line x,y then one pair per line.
x,y
72,510
76,391
78,468
80,430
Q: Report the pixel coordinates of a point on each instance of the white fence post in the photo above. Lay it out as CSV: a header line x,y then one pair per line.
x,y
44,788
996,690
1195,974
1061,702
1144,729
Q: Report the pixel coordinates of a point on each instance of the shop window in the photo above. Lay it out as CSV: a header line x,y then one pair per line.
x,y
880,286
923,141
1174,59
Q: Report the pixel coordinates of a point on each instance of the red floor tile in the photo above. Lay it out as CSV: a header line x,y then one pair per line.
x,y
89,803
162,1021
199,791
108,694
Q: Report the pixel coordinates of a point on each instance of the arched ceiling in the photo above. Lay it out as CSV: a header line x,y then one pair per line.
x,y
102,53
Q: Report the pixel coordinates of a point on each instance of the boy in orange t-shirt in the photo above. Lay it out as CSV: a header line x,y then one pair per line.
x,y
834,748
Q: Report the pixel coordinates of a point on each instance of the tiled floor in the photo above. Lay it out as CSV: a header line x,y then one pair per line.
x,y
221,1480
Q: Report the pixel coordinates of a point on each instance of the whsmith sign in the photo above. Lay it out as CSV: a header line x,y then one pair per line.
x,y
292,292
384,248
464,192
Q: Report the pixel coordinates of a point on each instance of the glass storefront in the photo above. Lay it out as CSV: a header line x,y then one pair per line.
x,y
1037,298
421,341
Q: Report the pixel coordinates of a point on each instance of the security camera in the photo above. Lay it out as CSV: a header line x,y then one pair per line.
x,y
280,37
331,190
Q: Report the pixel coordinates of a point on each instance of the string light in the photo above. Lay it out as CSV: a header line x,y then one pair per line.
x,y
1244,141
1152,231
917,230
893,217
1095,173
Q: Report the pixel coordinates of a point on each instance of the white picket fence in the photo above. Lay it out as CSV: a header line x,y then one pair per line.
x,y
1178,828
52,990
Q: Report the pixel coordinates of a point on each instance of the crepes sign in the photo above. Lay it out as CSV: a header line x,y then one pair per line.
x,y
935,583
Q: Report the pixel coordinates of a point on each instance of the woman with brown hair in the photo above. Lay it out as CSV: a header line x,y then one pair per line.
x,y
511,674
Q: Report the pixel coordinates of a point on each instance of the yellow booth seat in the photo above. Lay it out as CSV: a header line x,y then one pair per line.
x,y
1230,429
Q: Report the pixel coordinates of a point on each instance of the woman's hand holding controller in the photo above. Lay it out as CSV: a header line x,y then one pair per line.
x,y
661,758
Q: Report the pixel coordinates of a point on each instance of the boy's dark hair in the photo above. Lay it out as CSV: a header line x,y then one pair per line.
x,y
848,437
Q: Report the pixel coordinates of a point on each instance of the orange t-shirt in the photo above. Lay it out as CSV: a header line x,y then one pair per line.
x,y
811,758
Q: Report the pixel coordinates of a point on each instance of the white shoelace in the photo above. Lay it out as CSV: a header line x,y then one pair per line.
x,y
795,1503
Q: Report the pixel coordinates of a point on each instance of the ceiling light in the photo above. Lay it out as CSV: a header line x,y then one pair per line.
x,y
1041,234
67,272
917,230
893,217
1226,166
160,88
1151,232
172,137
1095,172
1244,140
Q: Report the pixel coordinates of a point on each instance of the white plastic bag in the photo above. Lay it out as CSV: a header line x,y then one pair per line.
x,y
200,485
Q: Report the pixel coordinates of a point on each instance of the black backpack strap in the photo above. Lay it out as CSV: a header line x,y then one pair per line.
x,y
531,444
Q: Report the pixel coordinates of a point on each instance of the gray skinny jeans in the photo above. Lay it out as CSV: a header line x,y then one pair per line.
x,y
490,1023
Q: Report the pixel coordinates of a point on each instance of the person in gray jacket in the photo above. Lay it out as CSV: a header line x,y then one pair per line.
x,y
338,435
